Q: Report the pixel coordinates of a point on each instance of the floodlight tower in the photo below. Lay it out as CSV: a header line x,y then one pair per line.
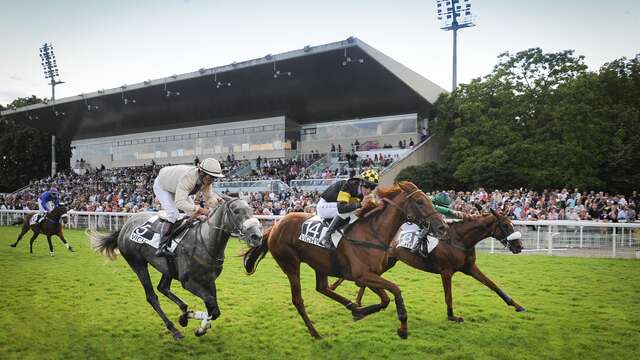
x,y
50,67
454,15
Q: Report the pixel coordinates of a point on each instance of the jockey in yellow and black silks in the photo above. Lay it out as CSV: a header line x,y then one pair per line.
x,y
341,200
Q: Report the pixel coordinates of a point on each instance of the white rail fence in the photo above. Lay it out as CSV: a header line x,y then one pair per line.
x,y
573,238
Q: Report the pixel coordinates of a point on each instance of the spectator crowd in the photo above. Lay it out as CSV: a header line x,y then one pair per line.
x,y
130,190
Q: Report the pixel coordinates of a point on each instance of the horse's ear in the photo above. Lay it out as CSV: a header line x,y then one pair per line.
x,y
494,212
478,207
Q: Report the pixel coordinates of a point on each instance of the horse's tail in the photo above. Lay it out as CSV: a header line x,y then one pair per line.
x,y
106,245
253,256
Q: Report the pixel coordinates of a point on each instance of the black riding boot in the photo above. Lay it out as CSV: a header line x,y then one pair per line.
x,y
165,241
336,224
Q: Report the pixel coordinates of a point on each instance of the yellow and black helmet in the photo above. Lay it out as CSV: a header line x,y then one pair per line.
x,y
370,176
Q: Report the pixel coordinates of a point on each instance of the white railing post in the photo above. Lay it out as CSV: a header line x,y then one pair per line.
x,y
550,242
493,245
581,227
537,237
613,252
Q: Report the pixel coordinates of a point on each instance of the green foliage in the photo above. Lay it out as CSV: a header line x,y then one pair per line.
x,y
76,305
429,177
25,152
25,101
542,120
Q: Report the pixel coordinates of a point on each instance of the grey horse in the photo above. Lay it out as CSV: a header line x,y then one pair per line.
x,y
198,261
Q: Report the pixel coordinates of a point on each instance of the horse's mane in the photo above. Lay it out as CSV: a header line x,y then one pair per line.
x,y
374,205
467,218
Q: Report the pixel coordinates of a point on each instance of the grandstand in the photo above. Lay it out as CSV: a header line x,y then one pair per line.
x,y
277,107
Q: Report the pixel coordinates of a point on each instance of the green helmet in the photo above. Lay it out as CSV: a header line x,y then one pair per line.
x,y
441,199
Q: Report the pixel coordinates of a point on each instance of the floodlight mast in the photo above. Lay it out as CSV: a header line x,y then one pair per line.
x,y
453,16
50,68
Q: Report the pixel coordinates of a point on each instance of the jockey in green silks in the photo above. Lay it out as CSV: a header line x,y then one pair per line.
x,y
442,204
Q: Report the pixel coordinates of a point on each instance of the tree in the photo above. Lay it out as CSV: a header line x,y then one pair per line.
x,y
542,120
25,152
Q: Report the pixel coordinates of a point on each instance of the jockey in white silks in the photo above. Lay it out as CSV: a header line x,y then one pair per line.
x,y
174,185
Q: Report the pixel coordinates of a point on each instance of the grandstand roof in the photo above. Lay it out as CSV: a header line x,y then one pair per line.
x,y
324,85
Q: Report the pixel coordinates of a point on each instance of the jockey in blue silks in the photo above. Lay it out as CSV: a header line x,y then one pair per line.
x,y
45,197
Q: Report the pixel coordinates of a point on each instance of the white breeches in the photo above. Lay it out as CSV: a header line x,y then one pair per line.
x,y
167,201
329,210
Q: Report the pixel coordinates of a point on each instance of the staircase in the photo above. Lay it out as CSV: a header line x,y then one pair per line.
x,y
428,150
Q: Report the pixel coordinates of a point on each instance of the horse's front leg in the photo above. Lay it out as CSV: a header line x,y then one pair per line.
x,y
481,277
448,298
375,281
64,241
50,245
206,290
322,286
33,238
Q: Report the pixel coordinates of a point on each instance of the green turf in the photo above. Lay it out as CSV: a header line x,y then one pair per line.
x,y
78,305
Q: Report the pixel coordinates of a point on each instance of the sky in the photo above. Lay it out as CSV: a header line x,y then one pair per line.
x,y
105,44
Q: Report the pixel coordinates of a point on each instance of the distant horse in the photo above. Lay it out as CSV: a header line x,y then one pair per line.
x,y
198,261
360,255
457,253
49,226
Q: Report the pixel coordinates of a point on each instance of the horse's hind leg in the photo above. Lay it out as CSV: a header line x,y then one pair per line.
x,y
25,229
164,286
143,275
290,265
481,277
50,245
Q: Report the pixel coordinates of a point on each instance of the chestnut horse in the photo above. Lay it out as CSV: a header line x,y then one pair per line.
x,y
457,253
49,226
360,256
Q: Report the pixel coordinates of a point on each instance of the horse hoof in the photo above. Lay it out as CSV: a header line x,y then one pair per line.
x,y
184,319
357,317
457,319
13,245
71,249
200,331
403,333
52,253
520,309
177,335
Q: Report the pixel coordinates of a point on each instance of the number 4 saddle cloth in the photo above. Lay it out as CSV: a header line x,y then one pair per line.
x,y
314,229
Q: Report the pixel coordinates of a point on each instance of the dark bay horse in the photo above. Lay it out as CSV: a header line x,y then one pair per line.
x,y
198,261
360,256
49,226
457,253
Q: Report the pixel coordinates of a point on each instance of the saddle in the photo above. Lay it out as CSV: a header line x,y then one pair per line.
x,y
150,232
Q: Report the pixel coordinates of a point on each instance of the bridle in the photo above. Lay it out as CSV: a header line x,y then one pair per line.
x,y
504,239
422,222
237,229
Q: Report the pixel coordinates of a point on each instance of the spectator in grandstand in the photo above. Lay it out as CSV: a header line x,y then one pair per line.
x,y
411,142
173,186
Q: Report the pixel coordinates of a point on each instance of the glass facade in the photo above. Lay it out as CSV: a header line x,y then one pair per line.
x,y
246,139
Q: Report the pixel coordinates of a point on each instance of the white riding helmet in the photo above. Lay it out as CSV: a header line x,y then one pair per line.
x,y
211,166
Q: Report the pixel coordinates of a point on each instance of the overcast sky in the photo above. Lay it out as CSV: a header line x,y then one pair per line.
x,y
105,44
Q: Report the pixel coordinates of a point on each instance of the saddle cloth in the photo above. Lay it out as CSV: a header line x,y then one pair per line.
x,y
314,229
147,233
37,218
408,240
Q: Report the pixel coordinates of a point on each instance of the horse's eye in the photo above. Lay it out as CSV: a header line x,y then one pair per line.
x,y
419,202
236,211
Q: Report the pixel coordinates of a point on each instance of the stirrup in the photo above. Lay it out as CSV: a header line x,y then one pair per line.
x,y
164,252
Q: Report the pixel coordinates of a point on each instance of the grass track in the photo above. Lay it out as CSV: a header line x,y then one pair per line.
x,y
77,305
